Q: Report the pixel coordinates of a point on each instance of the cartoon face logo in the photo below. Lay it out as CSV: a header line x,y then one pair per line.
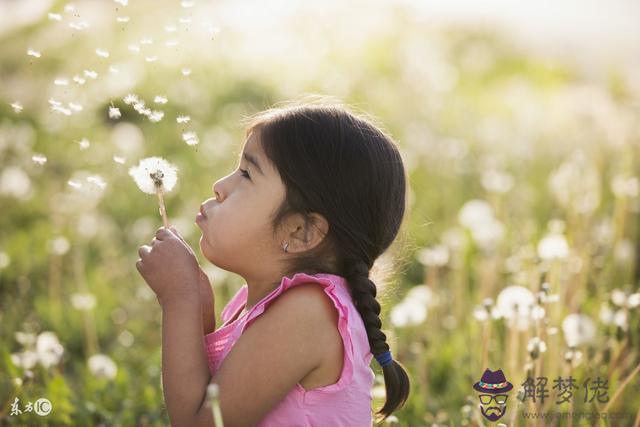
x,y
493,387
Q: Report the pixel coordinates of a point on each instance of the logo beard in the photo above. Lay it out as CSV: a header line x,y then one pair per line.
x,y
492,413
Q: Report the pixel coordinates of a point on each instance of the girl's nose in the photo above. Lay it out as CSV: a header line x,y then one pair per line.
x,y
217,190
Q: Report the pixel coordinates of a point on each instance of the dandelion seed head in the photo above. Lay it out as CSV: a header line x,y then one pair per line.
x,y
153,172
578,329
101,365
48,349
69,8
552,246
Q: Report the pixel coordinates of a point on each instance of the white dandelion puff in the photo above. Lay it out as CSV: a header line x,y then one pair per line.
x,y
54,17
160,99
119,159
48,349
183,119
40,159
578,329
75,106
113,69
91,74
185,71
114,113
34,53
69,8
102,53
515,303
553,246
190,138
154,175
83,301
101,366
61,82
17,107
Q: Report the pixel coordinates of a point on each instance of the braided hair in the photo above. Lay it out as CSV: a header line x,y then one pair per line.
x,y
340,165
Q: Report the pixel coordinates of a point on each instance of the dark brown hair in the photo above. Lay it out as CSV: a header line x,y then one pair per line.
x,y
339,164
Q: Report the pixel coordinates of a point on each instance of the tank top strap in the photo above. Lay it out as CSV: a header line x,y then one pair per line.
x,y
234,303
336,288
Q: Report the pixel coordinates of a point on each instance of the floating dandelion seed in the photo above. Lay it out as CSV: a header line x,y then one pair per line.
x,y
113,69
171,43
187,4
213,392
183,119
91,74
34,53
578,329
79,79
131,99
102,366
74,184
123,19
119,159
61,82
155,175
185,71
134,48
170,28
122,2
69,8
190,138
156,116
151,58
17,107
146,40
114,113
160,99
40,159
84,143
75,107
81,25
185,20
55,17
102,53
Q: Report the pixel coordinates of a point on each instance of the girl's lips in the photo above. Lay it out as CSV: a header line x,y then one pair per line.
x,y
202,211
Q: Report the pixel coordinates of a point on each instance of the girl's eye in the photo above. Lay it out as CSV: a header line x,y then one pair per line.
x,y
244,173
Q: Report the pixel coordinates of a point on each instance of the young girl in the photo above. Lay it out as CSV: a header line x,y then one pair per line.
x,y
318,195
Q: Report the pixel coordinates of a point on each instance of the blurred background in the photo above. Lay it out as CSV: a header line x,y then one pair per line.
x,y
518,125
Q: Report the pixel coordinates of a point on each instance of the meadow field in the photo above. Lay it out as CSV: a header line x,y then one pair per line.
x,y
520,250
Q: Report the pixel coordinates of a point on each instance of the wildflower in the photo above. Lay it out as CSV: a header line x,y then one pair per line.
x,y
535,346
39,159
553,246
183,119
114,113
48,349
102,366
59,245
17,107
34,53
578,329
515,303
190,138
477,216
155,175
437,255
83,301
26,359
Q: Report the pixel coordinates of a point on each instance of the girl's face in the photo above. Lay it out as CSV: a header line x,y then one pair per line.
x,y
236,230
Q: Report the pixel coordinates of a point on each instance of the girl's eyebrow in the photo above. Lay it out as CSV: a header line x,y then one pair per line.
x,y
251,159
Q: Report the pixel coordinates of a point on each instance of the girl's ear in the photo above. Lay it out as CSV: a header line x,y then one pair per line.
x,y
307,233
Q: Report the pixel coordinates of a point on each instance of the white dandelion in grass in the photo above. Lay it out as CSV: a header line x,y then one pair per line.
x,y
516,304
17,107
183,119
190,138
48,349
553,246
154,175
34,53
101,366
578,329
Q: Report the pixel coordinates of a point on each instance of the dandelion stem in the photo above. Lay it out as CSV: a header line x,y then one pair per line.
x,y
621,387
163,210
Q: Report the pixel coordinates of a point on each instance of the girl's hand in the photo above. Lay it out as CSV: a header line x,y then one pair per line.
x,y
169,267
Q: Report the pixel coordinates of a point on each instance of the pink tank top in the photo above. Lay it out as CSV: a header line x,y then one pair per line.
x,y
344,403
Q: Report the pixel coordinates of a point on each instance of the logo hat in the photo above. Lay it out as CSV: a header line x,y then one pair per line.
x,y
493,382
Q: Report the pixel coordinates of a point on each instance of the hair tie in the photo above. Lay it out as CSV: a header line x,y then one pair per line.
x,y
384,358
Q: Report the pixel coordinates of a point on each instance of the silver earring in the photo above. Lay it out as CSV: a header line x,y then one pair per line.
x,y
285,246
